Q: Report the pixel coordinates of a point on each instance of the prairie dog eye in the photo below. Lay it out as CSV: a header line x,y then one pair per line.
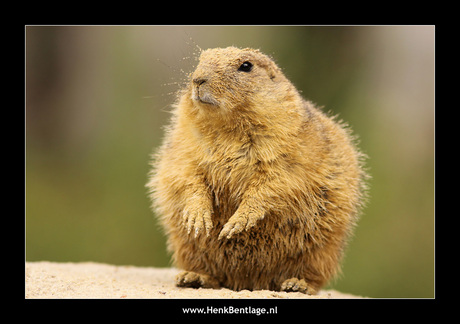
x,y
246,67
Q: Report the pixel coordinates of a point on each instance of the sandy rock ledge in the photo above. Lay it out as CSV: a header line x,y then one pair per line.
x,y
96,280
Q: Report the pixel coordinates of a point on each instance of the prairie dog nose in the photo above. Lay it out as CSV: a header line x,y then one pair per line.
x,y
199,81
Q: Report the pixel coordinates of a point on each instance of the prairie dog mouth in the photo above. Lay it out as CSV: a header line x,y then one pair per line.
x,y
203,96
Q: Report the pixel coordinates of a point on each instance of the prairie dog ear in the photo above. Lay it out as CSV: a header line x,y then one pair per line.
x,y
272,73
272,69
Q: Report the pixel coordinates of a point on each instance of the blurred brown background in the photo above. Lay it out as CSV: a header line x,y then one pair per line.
x,y
98,96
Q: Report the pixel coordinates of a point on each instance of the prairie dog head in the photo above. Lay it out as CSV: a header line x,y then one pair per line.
x,y
229,79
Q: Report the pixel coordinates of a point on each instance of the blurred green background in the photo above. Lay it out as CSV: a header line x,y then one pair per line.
x,y
98,96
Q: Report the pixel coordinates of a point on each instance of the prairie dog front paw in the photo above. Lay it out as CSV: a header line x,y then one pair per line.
x,y
197,217
243,219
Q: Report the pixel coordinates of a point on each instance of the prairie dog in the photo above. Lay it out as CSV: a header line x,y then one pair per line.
x,y
255,187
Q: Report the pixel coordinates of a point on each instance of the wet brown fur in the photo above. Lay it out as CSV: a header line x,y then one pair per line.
x,y
256,188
